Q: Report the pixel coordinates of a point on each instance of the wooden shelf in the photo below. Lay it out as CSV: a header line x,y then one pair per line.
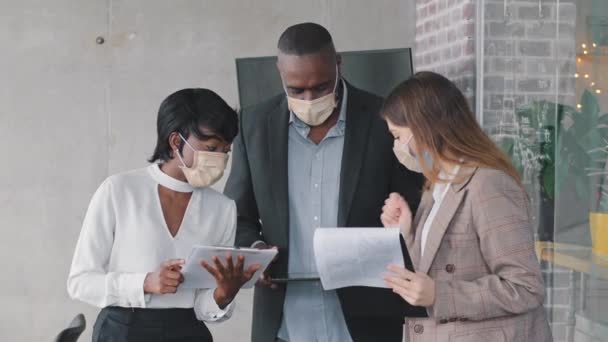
x,y
573,257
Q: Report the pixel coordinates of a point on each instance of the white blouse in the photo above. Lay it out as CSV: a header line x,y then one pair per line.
x,y
125,236
439,192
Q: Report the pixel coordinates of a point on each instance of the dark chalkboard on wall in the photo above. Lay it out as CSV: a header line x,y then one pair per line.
x,y
377,71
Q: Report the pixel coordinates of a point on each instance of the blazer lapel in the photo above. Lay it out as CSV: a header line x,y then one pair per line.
x,y
446,212
356,136
278,132
440,224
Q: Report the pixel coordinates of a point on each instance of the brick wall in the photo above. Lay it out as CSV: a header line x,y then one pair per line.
x,y
575,302
445,41
528,55
561,297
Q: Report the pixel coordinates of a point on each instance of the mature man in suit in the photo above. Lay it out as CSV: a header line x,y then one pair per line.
x,y
316,156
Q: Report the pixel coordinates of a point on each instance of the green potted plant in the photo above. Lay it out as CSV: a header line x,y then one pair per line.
x,y
560,145
532,151
597,172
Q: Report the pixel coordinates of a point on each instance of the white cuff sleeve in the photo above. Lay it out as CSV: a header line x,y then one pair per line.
x,y
207,310
129,289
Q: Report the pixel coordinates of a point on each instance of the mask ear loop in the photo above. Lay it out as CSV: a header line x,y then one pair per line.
x,y
407,143
335,84
337,79
180,158
177,152
284,88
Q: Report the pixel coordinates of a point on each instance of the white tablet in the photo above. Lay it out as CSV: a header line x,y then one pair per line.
x,y
197,277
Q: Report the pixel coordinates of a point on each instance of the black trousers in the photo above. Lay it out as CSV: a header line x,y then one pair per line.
x,y
375,329
116,324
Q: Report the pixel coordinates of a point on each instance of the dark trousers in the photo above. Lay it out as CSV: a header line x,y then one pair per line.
x,y
116,324
375,329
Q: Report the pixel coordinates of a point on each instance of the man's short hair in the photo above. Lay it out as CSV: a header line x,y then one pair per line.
x,y
305,39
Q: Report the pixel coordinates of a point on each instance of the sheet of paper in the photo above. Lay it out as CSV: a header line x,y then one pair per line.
x,y
196,277
356,256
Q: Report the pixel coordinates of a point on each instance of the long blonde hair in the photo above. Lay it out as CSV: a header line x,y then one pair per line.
x,y
443,124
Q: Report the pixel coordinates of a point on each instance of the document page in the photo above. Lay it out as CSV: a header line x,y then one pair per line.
x,y
196,277
356,256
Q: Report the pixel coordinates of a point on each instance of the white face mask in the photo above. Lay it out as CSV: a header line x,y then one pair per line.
x,y
207,167
404,154
314,112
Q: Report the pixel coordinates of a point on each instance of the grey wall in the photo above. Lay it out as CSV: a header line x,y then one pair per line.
x,y
73,112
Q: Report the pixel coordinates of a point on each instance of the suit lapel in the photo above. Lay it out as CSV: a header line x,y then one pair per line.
x,y
278,132
446,212
356,136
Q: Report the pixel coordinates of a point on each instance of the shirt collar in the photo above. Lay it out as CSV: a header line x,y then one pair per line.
x,y
439,188
167,181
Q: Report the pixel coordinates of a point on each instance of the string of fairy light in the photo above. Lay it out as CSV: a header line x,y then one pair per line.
x,y
587,51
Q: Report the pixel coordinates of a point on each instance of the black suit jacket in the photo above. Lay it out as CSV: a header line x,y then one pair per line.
x,y
370,172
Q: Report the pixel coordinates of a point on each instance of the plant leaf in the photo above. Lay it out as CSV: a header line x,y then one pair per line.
x,y
548,176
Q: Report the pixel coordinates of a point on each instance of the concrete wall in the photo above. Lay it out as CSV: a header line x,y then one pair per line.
x,y
72,112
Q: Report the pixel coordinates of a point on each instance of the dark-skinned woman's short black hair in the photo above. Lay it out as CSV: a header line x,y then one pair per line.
x,y
187,112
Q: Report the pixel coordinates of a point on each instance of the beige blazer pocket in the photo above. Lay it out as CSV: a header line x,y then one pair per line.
x,y
485,335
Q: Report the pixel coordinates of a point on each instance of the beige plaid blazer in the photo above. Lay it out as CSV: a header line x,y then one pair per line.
x,y
480,252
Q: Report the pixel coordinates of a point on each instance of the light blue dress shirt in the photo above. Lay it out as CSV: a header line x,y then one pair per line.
x,y
310,313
